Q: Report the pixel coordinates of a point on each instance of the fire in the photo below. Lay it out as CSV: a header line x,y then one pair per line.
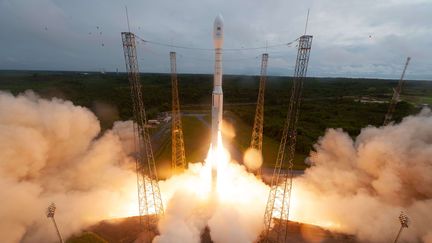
x,y
231,183
130,209
228,175
234,187
218,159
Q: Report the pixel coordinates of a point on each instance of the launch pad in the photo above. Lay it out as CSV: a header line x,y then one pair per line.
x,y
278,204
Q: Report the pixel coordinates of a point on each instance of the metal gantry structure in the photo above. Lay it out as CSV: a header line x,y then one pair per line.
x,y
257,130
149,196
396,95
278,204
50,214
178,158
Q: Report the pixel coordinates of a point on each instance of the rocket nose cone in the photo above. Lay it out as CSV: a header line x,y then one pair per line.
x,y
218,27
218,32
219,20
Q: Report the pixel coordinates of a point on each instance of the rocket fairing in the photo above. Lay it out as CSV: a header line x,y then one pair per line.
x,y
217,96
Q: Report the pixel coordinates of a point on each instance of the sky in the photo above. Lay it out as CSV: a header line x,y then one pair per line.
x,y
351,38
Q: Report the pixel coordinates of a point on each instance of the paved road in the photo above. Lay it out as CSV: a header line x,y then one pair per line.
x,y
200,117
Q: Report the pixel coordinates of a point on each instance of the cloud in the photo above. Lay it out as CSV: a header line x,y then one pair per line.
x,y
338,27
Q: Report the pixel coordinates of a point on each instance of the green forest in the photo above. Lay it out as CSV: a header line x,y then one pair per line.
x,y
347,103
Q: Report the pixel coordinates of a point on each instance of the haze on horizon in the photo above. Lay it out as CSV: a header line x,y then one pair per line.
x,y
351,38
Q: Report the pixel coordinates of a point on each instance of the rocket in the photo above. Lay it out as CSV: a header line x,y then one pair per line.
x,y
217,96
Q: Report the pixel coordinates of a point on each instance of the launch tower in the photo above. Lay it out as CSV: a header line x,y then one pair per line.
x,y
149,196
278,204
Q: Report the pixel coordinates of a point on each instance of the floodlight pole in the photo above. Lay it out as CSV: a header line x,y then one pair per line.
x,y
403,219
50,214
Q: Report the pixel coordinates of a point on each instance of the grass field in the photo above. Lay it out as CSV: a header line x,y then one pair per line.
x,y
196,139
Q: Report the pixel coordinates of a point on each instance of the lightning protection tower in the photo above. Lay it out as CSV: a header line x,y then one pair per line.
x,y
257,130
149,196
178,158
278,204
396,95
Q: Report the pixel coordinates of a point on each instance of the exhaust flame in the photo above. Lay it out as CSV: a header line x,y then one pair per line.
x,y
217,160
233,209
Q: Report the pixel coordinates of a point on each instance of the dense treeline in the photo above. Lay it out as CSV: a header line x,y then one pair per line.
x,y
350,104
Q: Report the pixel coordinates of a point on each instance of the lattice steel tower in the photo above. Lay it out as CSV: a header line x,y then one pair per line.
x,y
149,196
278,204
178,158
257,130
396,95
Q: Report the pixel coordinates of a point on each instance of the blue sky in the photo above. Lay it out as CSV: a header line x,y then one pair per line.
x,y
352,38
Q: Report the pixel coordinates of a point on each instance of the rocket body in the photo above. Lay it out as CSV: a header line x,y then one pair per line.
x,y
217,101
217,96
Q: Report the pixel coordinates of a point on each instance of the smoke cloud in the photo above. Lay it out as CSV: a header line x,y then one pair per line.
x,y
360,186
52,151
234,215
253,159
357,187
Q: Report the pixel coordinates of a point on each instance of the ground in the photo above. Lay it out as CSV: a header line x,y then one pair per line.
x,y
128,230
86,237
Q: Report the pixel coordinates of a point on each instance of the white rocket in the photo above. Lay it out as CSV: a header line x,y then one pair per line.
x,y
217,101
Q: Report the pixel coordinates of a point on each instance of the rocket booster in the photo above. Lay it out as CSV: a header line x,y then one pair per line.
x,y
217,96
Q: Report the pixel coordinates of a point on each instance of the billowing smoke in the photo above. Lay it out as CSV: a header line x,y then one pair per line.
x,y
356,187
52,151
234,215
253,159
360,186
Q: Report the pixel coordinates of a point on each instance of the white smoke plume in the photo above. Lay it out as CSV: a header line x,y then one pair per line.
x,y
252,159
52,151
360,186
356,187
235,215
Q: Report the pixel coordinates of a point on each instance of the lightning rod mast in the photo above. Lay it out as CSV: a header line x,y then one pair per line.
x,y
396,95
178,158
257,130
